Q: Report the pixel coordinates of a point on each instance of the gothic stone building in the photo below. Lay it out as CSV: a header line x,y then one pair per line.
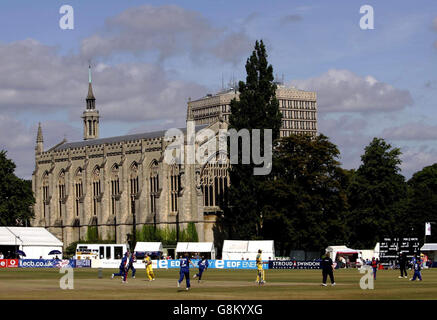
x,y
118,182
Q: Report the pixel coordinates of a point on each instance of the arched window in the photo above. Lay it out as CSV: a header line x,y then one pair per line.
x,y
96,189
115,187
78,189
134,181
154,186
134,185
175,182
214,181
61,190
45,191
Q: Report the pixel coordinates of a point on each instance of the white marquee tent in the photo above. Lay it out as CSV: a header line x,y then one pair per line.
x,y
334,250
197,247
148,247
247,249
430,249
35,242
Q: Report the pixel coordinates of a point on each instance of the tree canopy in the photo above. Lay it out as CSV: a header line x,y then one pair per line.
x,y
375,195
16,196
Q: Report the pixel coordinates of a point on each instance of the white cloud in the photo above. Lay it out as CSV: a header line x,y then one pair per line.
x,y
416,131
20,140
168,31
415,159
344,91
35,78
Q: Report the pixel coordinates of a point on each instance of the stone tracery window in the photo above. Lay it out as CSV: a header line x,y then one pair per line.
x,y
175,183
115,187
78,189
134,184
61,190
96,189
214,181
154,186
45,191
134,181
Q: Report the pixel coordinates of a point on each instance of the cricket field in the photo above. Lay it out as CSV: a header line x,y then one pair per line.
x,y
40,284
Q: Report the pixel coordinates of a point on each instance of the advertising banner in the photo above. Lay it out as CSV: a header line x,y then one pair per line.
x,y
8,263
214,264
291,264
83,263
43,263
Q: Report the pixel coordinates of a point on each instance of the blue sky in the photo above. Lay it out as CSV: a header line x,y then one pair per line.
x,y
149,56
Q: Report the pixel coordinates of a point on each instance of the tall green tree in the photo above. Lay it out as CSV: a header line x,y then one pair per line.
x,y
257,108
16,196
375,195
306,202
421,204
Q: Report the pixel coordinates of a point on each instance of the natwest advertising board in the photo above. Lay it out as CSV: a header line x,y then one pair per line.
x,y
8,263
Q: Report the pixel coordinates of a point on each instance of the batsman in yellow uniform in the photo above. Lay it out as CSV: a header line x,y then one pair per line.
x,y
260,277
149,269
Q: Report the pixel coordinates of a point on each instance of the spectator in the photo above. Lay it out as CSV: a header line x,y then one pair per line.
x,y
374,267
1,255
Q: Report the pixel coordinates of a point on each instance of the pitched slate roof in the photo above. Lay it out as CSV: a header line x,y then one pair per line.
x,y
117,139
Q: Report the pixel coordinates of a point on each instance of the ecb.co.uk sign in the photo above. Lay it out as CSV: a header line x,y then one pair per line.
x,y
43,263
213,264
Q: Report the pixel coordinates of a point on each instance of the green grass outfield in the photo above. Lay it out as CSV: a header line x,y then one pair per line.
x,y
217,284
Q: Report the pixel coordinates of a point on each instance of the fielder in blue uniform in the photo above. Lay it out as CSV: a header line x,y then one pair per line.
x,y
131,265
185,271
203,266
122,268
417,269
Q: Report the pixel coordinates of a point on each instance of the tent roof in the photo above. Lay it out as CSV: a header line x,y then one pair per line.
x,y
235,246
11,236
429,247
239,246
148,246
195,247
341,249
264,245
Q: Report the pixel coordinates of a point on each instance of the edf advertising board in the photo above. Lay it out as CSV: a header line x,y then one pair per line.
x,y
213,264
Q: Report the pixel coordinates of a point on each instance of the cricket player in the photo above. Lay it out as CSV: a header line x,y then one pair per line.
x,y
185,270
417,269
374,264
131,265
327,269
260,279
203,266
122,269
149,268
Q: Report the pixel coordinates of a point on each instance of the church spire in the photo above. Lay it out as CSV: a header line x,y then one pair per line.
x,y
90,99
39,140
90,115
39,137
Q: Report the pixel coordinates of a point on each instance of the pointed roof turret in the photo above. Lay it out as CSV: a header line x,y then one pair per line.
x,y
189,111
90,99
39,137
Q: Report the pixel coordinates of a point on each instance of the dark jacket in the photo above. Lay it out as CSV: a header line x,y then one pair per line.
x,y
402,261
326,263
